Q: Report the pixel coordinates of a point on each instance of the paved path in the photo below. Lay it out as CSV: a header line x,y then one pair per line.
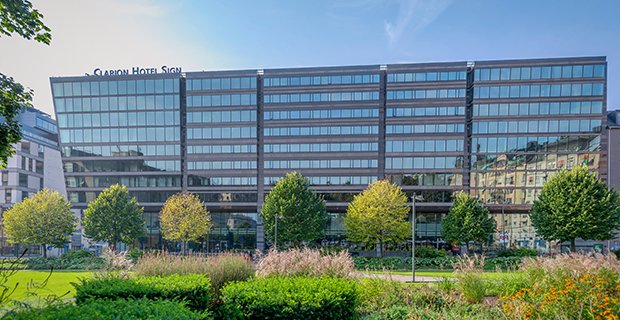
x,y
399,277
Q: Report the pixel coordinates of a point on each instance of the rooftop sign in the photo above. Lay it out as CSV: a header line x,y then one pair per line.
x,y
135,70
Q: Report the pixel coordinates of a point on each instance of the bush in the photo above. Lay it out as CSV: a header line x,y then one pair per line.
x,y
468,271
193,289
77,254
617,253
376,294
521,252
291,298
221,269
306,262
70,263
105,309
426,252
396,263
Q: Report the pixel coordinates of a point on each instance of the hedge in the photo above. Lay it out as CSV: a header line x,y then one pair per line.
x,y
396,263
291,298
194,289
119,309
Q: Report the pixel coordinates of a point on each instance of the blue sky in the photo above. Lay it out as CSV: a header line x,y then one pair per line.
x,y
220,35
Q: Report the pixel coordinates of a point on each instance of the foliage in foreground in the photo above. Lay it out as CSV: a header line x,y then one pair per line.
x,y
291,298
221,269
193,289
576,204
306,262
112,309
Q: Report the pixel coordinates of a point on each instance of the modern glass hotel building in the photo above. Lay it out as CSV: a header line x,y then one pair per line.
x,y
495,129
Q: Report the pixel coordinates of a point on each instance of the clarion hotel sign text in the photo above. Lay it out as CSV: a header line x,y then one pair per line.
x,y
136,70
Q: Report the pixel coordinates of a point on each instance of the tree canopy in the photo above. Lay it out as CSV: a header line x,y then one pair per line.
x,y
576,204
16,16
467,220
114,217
184,218
378,215
45,218
300,211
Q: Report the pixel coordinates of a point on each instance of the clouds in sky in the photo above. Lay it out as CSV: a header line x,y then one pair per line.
x,y
413,16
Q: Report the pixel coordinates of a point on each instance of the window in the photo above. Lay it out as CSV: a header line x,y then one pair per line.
x,y
23,180
7,195
5,178
41,151
39,166
24,159
25,147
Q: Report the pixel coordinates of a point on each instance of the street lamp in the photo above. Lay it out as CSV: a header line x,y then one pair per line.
x,y
413,199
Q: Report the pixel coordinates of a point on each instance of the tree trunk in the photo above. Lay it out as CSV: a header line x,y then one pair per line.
x,y
44,251
184,247
572,245
381,247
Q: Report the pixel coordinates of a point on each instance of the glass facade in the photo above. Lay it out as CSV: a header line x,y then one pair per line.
x,y
495,129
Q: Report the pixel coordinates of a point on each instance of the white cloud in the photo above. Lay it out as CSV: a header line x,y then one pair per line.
x,y
414,16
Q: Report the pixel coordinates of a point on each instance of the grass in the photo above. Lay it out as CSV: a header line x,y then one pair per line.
x,y
59,283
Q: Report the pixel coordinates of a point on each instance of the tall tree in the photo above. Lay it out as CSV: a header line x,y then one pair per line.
x,y
114,217
378,215
467,221
44,219
16,16
300,211
576,204
184,218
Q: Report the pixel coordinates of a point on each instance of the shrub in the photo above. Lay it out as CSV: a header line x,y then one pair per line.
x,y
291,298
617,253
70,263
306,262
468,271
118,309
194,289
426,252
221,269
521,252
77,254
376,294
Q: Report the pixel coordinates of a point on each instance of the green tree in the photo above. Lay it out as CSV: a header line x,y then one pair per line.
x,y
378,215
576,204
300,211
184,218
467,221
16,16
114,217
44,219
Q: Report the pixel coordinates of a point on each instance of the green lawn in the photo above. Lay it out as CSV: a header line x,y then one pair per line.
x,y
59,283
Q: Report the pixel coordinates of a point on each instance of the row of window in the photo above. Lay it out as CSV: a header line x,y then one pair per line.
x,y
507,196
51,126
424,163
119,119
32,165
321,80
536,144
122,151
234,148
425,128
221,116
218,100
221,133
425,179
121,135
228,197
543,108
122,166
321,97
534,126
425,94
159,102
544,90
534,161
103,88
533,73
195,181
510,179
141,196
363,180
424,146
221,83
321,147
425,111
138,181
317,131
321,114
216,165
321,164
427,76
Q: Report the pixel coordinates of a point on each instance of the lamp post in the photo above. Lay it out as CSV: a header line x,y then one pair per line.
x,y
413,199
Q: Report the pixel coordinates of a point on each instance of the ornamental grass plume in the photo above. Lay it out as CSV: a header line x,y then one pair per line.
x,y
470,282
306,262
